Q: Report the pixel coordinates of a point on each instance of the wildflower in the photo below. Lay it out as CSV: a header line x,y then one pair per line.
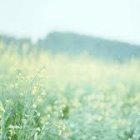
x,y
43,93
60,132
1,108
34,106
14,127
38,114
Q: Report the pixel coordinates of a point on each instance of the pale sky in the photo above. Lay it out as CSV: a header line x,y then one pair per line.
x,y
111,19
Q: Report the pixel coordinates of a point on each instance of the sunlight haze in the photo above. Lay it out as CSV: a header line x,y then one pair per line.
x,y
111,19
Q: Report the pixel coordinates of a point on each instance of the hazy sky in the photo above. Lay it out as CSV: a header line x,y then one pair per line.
x,y
115,19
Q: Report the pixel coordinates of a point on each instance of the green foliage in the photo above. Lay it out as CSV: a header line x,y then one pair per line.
x,y
64,98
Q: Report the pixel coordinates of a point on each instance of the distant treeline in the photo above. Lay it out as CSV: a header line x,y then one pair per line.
x,y
73,44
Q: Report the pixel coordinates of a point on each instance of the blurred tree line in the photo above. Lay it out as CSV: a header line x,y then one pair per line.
x,y
71,44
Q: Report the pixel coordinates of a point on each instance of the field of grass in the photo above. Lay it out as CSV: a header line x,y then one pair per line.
x,y
62,98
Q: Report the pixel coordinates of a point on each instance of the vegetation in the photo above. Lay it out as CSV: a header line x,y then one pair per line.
x,y
47,97
74,44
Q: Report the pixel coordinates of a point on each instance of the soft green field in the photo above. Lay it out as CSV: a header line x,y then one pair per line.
x,y
63,98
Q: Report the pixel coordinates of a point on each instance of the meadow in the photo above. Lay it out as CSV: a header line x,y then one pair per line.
x,y
49,97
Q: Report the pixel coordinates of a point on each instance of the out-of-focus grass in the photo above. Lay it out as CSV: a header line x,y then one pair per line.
x,y
63,98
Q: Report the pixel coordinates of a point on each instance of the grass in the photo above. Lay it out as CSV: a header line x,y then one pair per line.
x,y
62,98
